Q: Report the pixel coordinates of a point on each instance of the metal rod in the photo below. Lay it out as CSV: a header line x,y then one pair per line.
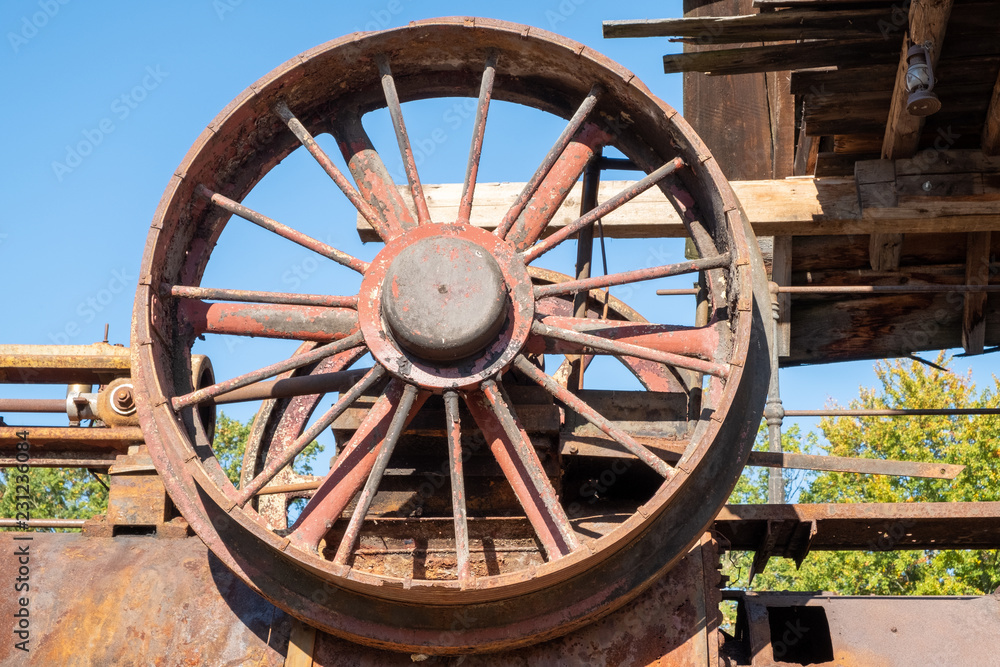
x,y
882,289
253,296
619,200
617,163
590,342
307,140
306,385
274,466
584,259
297,361
43,523
638,275
33,405
375,476
455,464
284,231
545,167
902,412
405,149
478,132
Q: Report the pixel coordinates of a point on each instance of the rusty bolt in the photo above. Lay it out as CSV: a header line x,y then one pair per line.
x,y
122,399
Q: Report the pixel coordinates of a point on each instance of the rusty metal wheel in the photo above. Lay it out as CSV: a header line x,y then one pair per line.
x,y
460,326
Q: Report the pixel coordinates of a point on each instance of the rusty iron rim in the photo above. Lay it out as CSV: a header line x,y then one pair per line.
x,y
580,579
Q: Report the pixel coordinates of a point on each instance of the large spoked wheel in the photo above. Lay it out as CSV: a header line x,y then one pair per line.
x,y
473,351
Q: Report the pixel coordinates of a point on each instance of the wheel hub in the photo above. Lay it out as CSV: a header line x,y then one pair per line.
x,y
444,299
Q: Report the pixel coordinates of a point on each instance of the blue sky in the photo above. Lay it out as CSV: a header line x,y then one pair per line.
x,y
104,99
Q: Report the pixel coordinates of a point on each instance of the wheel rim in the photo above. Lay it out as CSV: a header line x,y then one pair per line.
x,y
573,577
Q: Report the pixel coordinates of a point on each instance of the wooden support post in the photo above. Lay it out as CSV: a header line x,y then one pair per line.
x,y
876,183
991,128
928,21
977,272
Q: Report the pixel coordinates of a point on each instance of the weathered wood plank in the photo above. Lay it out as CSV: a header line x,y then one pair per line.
x,y
793,206
766,27
977,272
822,53
991,128
928,22
876,181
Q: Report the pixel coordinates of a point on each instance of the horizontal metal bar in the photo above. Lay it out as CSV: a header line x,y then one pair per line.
x,y
322,383
43,523
33,405
63,364
903,412
48,436
927,469
882,289
678,292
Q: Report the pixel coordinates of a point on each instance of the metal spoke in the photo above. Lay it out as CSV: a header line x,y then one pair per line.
x,y
478,131
514,453
577,405
455,462
305,385
275,465
399,420
299,360
253,296
284,231
574,286
405,149
592,344
551,157
374,182
307,140
603,210
315,323
352,466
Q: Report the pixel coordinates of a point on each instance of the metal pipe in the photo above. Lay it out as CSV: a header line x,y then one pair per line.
x,y
902,412
33,405
774,413
856,289
43,523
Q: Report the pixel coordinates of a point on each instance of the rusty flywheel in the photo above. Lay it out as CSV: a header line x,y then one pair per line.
x,y
455,325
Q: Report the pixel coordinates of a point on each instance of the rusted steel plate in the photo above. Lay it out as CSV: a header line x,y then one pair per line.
x,y
88,364
869,631
135,600
863,526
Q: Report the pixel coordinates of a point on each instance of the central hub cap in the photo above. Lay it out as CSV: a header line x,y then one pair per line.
x,y
444,298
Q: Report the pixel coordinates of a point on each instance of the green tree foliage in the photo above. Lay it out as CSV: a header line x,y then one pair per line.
x,y
973,441
74,493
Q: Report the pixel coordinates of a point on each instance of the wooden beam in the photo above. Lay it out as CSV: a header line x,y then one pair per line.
x,y
821,53
768,27
928,21
977,272
876,181
781,207
991,128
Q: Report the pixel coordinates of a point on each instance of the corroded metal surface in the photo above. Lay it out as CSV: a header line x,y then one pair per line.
x,y
137,600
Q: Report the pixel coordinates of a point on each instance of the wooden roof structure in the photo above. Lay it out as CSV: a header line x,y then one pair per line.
x,y
803,102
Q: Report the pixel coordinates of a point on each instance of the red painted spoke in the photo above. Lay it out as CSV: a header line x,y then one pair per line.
x,y
281,230
701,342
252,296
268,320
455,462
574,286
349,471
588,343
274,465
556,186
307,140
575,123
520,464
298,361
602,210
305,385
405,149
373,179
577,405
399,419
478,131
